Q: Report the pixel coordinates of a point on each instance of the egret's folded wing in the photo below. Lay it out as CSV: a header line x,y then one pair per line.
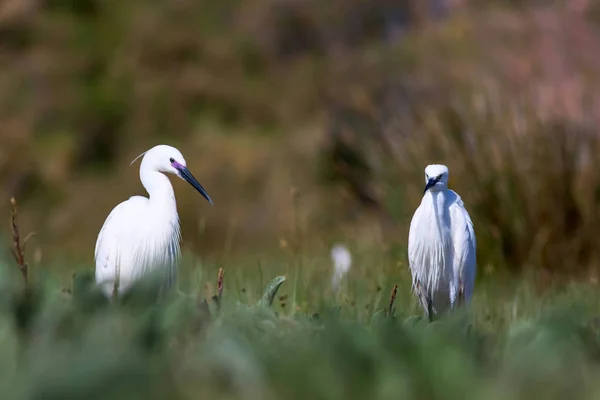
x,y
413,245
464,243
110,243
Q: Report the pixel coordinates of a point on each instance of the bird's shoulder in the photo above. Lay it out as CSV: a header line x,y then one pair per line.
x,y
456,204
461,222
454,199
416,218
132,205
136,201
122,212
125,219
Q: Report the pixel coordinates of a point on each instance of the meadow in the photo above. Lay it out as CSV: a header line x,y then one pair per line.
x,y
275,330
309,125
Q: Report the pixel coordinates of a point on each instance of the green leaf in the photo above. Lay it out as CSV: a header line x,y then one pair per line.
x,y
411,321
378,318
271,291
87,296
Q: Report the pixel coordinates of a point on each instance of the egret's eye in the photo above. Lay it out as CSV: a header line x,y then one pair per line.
x,y
439,177
171,160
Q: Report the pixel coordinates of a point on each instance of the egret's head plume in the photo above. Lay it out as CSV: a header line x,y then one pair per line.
x,y
436,177
135,159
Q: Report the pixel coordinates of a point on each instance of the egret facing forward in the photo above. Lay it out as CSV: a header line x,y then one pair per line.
x,y
141,235
441,246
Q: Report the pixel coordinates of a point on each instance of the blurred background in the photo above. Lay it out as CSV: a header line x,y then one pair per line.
x,y
308,122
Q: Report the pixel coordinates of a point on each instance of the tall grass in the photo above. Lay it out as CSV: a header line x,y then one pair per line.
x,y
75,344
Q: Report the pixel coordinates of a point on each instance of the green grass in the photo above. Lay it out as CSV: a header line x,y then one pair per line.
x,y
511,343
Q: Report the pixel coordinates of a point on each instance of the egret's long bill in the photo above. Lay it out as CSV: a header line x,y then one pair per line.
x,y
430,183
187,175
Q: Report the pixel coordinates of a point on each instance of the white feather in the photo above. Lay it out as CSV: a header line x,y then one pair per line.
x,y
342,260
135,159
441,245
465,248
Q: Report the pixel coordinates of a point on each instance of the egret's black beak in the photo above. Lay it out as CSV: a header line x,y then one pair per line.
x,y
187,175
430,183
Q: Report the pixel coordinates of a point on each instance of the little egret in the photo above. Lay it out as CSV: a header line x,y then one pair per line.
x,y
342,261
141,235
441,246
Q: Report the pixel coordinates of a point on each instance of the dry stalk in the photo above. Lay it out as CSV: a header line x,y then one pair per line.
x,y
220,278
18,249
392,299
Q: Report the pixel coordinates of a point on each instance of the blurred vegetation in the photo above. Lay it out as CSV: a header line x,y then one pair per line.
x,y
308,121
250,338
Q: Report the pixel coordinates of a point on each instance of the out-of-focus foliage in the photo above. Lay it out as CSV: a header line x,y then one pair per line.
x,y
73,343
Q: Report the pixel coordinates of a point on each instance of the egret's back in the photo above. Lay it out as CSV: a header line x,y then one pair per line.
x,y
137,238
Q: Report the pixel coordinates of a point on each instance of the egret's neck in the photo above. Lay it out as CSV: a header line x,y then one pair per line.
x,y
158,186
437,201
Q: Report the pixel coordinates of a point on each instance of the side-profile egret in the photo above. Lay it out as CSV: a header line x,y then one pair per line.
x,y
141,235
441,246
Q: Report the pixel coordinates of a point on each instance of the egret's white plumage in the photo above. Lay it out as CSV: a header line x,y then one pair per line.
x,y
342,261
141,235
441,246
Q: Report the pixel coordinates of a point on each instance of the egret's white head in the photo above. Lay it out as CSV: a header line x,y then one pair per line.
x,y
168,159
436,177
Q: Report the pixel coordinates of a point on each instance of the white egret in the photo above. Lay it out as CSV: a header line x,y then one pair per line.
x,y
342,261
441,246
141,235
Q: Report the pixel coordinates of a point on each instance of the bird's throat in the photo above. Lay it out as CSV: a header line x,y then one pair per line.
x,y
159,188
